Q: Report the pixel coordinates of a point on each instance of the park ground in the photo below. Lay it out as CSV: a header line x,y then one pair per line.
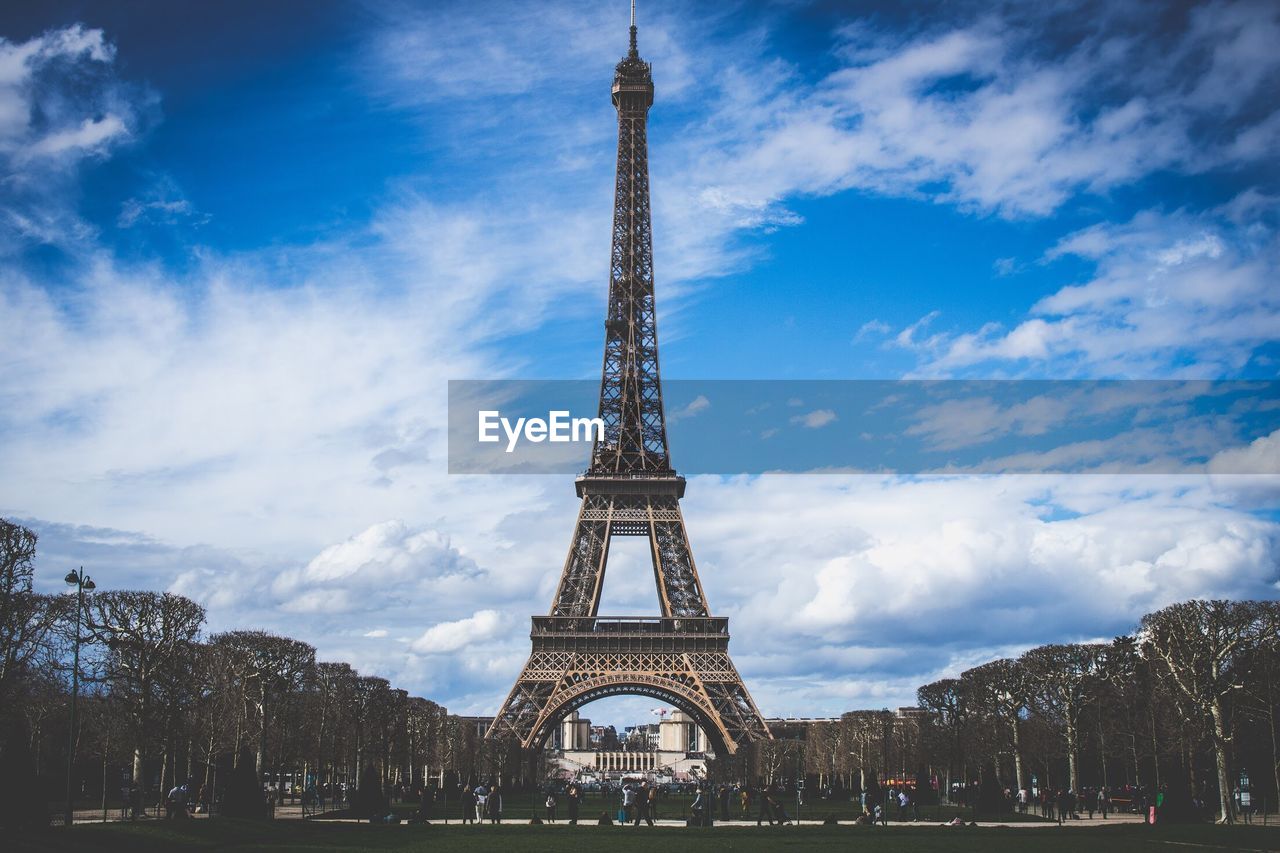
x,y
279,835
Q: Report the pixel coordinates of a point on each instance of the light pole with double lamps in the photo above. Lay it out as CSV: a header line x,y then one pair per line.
x,y
82,583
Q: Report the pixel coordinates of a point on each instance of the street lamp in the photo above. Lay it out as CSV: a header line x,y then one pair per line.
x,y
81,582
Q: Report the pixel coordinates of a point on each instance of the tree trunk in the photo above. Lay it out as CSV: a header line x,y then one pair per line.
x,y
1155,749
1072,781
1226,812
104,783
262,739
1275,742
1102,751
1017,755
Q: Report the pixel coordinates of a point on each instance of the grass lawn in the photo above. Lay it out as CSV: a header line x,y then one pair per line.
x,y
225,834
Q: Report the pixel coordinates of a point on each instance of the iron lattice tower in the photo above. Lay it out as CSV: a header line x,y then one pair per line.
x,y
630,489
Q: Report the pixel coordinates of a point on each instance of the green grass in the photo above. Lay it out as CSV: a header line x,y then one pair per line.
x,y
225,834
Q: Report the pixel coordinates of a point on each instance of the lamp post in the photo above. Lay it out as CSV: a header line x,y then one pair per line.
x,y
81,582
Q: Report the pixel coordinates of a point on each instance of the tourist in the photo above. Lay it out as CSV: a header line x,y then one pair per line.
x,y
572,797
652,807
766,806
778,810
425,798
175,805
628,802
642,804
470,811
493,803
551,807
744,796
699,809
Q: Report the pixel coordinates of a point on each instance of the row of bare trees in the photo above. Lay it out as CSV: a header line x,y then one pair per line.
x,y
163,703
1184,705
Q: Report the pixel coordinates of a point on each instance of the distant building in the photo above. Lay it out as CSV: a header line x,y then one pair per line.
x,y
481,724
575,733
670,750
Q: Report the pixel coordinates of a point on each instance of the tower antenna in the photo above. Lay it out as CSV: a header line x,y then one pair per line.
x,y
635,51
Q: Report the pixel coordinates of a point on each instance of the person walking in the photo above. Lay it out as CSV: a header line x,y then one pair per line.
x,y
699,808
468,803
573,795
425,798
642,804
779,811
653,804
551,807
628,802
494,804
766,807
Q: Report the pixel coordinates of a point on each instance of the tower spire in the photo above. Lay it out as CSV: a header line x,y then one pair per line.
x,y
635,51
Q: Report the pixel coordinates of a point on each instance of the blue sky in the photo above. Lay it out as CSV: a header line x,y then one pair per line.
x,y
243,247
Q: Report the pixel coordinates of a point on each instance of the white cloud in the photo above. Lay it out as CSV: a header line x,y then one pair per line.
x,y
42,106
977,115
1180,288
1261,456
815,419
695,406
871,327
449,637
60,105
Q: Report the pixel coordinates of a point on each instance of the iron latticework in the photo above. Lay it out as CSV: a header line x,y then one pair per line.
x,y
630,489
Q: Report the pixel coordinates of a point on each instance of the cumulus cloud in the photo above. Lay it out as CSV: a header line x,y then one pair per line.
x,y
454,636
1261,456
377,568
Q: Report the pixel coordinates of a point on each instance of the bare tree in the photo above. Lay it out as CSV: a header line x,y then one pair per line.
x,y
273,670
1002,688
27,618
868,733
949,705
1060,680
147,637
1200,646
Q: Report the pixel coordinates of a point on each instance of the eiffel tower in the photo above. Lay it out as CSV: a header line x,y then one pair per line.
x,y
630,489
